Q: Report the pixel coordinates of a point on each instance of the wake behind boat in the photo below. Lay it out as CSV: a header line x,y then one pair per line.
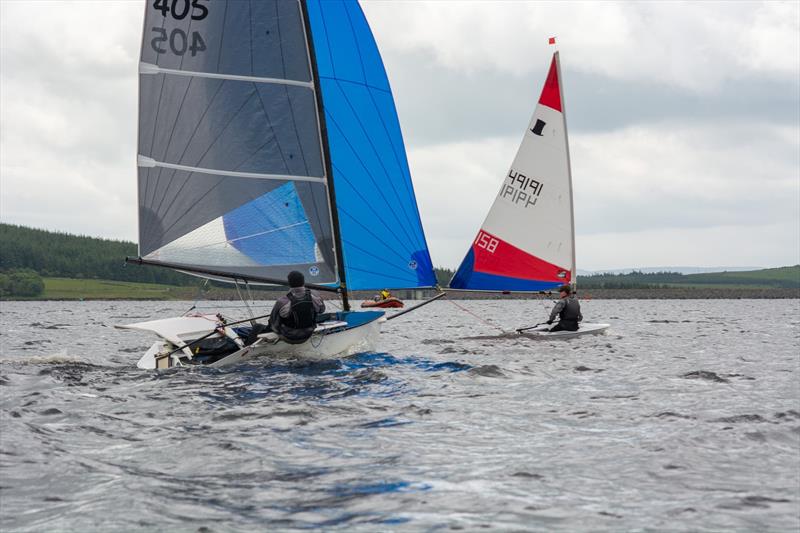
x,y
527,241
269,142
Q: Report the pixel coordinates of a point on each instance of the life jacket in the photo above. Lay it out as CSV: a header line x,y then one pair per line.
x,y
571,311
302,313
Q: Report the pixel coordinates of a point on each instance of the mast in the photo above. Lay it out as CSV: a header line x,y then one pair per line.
x,y
337,236
573,280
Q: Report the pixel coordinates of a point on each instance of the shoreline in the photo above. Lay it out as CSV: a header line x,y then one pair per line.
x,y
677,293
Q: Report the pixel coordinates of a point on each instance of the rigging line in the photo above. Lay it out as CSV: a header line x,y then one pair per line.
x,y
188,32
295,129
239,293
155,123
228,125
328,48
272,131
355,40
408,246
372,179
280,39
476,316
250,21
158,209
169,141
188,176
378,157
222,36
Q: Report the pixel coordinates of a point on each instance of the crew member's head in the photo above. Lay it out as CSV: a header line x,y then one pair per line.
x,y
564,290
296,279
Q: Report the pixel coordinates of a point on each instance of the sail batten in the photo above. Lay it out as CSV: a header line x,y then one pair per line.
x,y
527,241
148,68
150,162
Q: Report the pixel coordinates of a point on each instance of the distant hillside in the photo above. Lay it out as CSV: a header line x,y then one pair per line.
x,y
676,269
53,254
783,277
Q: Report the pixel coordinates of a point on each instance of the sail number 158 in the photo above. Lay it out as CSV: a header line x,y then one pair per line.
x,y
486,242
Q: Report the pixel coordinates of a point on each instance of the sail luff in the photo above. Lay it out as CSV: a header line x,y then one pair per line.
x,y
573,277
325,145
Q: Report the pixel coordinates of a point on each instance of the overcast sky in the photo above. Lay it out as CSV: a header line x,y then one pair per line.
x,y
684,120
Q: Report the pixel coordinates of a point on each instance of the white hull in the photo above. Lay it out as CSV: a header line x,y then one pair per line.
x,y
330,341
584,329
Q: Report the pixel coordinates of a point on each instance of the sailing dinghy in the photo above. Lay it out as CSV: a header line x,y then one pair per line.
x,y
527,242
269,142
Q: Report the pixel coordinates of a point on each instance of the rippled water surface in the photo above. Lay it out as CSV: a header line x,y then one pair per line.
x,y
685,416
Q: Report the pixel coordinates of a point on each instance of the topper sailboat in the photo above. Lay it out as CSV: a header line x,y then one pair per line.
x,y
269,142
527,242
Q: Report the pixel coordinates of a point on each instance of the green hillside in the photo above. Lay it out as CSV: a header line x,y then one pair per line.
x,y
783,277
61,255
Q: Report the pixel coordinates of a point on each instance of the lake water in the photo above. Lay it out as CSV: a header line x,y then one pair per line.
x,y
684,416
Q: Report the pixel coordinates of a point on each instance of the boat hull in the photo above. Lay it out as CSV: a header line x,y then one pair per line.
x,y
355,332
388,303
542,332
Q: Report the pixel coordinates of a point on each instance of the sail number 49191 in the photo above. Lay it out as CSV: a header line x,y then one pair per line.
x,y
486,242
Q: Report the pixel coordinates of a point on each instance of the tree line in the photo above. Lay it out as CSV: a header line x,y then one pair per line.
x,y
61,255
27,254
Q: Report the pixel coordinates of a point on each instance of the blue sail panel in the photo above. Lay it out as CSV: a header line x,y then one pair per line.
x,y
273,229
383,240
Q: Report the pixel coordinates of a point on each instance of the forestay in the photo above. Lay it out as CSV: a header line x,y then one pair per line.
x,y
527,242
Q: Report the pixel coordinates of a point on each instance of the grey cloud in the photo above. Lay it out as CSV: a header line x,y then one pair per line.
x,y
439,105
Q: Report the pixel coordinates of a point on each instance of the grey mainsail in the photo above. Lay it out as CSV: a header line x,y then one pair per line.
x,y
231,169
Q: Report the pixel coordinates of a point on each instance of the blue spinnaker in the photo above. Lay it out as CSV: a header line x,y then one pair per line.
x,y
382,236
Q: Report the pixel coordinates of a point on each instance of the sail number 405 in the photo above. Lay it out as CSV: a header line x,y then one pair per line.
x,y
486,242
180,8
178,41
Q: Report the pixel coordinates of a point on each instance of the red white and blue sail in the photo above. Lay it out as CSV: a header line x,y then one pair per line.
x,y
527,242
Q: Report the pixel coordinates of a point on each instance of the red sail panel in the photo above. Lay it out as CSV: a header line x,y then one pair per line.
x,y
551,95
495,256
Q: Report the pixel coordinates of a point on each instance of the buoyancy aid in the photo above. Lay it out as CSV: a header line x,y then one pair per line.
x,y
302,313
571,311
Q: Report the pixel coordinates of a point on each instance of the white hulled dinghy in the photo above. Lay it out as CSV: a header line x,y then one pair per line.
x,y
269,142
527,242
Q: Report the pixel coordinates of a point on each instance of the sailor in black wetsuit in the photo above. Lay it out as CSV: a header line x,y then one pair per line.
x,y
294,316
567,309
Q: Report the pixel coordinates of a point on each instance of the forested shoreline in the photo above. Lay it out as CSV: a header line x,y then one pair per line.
x,y
31,260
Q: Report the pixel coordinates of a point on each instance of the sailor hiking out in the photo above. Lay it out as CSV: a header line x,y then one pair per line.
x,y
294,316
567,309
